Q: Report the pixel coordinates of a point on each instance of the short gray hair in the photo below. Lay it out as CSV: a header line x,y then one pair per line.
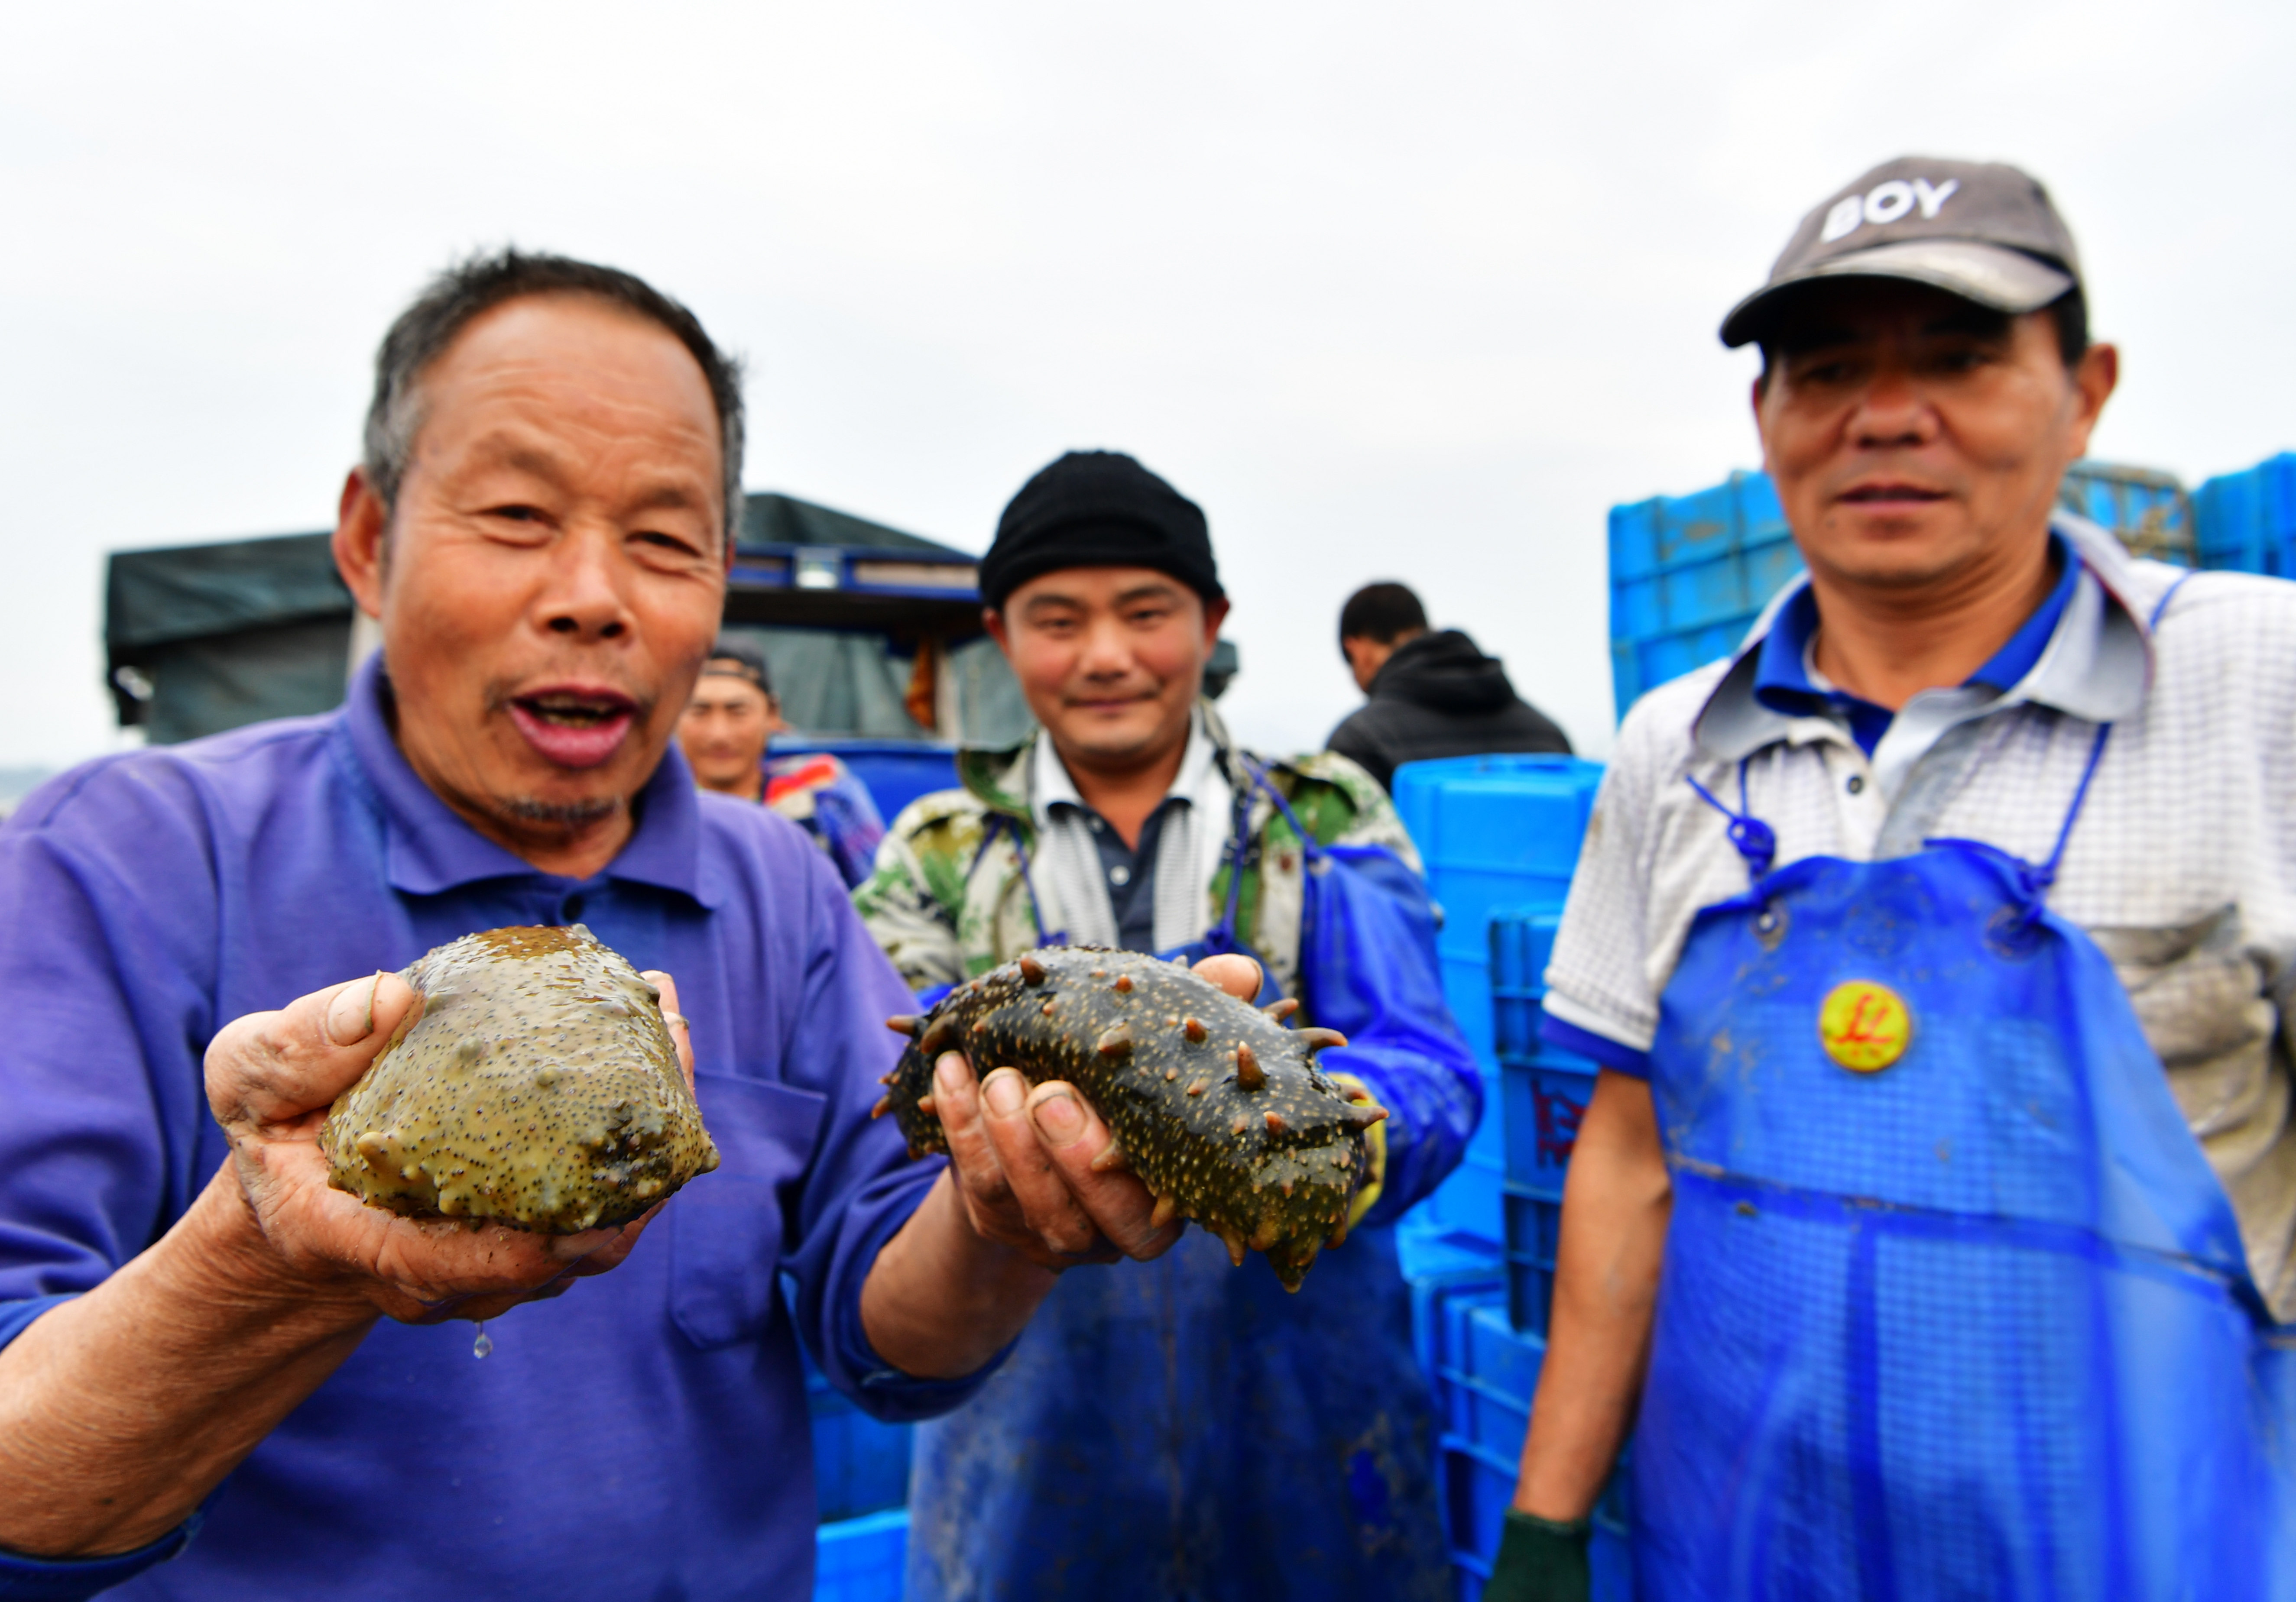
x,y
424,330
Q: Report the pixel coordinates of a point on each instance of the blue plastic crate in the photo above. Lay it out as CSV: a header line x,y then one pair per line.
x,y
861,1559
1477,1486
1688,576
1543,1100
2149,510
1442,1270
2246,521
1467,1203
1485,1389
1495,831
1534,1228
860,1464
1521,943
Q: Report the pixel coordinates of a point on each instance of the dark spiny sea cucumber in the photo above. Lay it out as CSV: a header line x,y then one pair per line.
x,y
1217,1105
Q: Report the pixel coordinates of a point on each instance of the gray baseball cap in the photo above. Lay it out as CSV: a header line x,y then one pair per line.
x,y
1976,229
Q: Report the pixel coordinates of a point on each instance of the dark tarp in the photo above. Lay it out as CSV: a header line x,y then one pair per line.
x,y
204,638
778,520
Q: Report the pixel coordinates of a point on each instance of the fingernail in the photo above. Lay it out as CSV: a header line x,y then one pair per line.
x,y
350,1016
1005,1091
945,1073
1060,1117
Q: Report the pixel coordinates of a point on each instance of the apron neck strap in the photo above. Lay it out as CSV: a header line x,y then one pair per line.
x,y
1756,840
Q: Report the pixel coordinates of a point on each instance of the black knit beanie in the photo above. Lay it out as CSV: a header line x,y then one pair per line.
x,y
1098,509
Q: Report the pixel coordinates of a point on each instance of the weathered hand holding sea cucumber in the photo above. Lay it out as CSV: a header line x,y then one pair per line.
x,y
535,1083
1217,1107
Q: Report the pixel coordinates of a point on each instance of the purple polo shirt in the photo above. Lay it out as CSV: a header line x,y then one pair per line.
x,y
643,1436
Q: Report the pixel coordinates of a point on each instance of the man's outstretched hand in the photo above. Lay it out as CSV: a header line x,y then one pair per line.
x,y
270,1079
1025,1195
1031,1167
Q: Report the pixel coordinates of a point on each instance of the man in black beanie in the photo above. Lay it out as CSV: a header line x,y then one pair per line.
x,y
1180,1428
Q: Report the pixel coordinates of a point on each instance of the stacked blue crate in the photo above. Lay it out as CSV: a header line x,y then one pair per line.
x,y
861,1480
1688,576
1543,1094
1487,1373
1495,833
861,1559
2247,520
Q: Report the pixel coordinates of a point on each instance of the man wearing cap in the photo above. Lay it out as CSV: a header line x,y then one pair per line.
x,y
1181,1429
727,723
1935,1206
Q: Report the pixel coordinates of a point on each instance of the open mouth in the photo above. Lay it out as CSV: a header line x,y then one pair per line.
x,y
574,728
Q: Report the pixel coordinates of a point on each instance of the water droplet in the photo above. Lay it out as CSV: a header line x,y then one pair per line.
x,y
483,1345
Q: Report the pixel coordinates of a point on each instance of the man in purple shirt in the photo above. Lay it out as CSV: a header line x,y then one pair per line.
x,y
200,1338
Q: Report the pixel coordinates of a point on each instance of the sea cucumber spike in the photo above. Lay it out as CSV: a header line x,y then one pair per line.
x,y
1168,1208
1194,1028
884,1105
1116,1042
1248,1071
1338,1235
1275,1125
1032,972
1235,1244
1046,1010
1111,1160
1196,1087
925,1105
1316,1040
1280,1010
1239,1125
902,1023
1264,1236
1124,984
938,1036
1363,1115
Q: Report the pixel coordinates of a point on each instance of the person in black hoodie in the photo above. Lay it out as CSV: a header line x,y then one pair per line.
x,y
1432,694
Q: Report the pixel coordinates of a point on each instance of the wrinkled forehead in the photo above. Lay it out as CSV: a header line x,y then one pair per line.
x,y
578,366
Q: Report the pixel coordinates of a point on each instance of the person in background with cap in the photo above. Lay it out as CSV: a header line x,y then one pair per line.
x,y
1937,1200
1431,694
732,716
1181,1429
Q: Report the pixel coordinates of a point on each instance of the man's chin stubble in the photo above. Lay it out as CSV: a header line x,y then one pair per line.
x,y
556,815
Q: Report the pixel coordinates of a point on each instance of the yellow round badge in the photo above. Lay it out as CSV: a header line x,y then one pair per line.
x,y
1865,1026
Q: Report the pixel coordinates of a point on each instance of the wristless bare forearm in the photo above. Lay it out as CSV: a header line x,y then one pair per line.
x,y
941,1301
121,1410
1616,1205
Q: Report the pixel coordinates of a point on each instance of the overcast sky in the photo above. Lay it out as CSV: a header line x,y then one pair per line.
x,y
1394,291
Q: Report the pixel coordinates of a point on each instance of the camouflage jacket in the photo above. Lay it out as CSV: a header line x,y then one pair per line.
x,y
945,908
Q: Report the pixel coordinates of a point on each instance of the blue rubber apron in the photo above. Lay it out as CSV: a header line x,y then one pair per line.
x,y
1953,1304
1185,1431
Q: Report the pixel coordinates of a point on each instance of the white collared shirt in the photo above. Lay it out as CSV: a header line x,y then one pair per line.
x,y
2182,864
1072,897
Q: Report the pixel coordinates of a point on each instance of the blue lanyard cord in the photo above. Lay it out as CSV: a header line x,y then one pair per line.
x,y
1756,840
996,821
2037,880
1240,840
